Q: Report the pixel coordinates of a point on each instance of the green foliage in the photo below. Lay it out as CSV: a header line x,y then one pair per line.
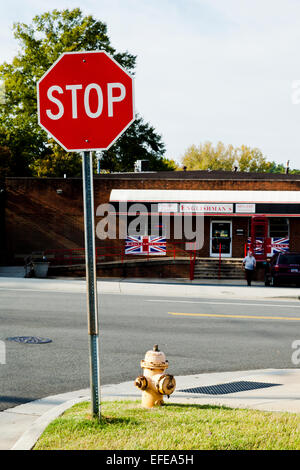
x,y
170,164
252,160
139,142
277,168
57,163
222,157
5,162
206,157
2,93
41,43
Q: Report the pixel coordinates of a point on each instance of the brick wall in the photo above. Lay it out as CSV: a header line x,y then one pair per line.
x,y
37,217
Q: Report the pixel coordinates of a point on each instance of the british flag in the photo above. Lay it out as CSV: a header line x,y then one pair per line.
x,y
280,244
145,245
274,245
259,245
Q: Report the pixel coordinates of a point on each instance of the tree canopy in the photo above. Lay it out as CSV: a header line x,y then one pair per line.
x,y
5,162
40,44
228,157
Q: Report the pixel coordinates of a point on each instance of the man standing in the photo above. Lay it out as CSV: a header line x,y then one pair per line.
x,y
249,263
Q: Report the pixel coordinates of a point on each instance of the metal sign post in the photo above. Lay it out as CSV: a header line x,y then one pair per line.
x,y
91,280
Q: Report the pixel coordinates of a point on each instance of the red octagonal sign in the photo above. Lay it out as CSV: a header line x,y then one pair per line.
x,y
85,101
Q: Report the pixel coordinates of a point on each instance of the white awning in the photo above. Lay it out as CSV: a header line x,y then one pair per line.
x,y
181,196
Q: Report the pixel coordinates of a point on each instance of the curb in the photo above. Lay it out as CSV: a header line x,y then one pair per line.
x,y
31,436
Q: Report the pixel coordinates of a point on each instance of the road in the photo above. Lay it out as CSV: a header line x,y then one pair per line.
x,y
197,335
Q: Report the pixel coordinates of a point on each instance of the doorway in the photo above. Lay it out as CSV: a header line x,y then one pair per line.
x,y
221,238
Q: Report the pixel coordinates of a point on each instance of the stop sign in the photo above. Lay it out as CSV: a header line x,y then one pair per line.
x,y
85,101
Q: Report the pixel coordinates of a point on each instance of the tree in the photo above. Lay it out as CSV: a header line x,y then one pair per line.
x,y
57,163
41,43
252,160
206,157
139,142
222,157
5,162
280,168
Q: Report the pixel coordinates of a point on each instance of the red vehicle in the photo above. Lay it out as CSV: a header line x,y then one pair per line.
x,y
283,268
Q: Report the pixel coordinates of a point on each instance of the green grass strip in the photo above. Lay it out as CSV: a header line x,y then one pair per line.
x,y
127,426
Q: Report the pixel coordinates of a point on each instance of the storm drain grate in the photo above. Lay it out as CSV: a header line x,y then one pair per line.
x,y
29,339
232,387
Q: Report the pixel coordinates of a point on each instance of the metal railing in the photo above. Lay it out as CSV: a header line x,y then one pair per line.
x,y
76,256
192,266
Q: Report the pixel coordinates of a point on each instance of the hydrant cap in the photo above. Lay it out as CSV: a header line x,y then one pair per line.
x,y
155,358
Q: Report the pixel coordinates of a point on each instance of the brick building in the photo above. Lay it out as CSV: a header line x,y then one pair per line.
x,y
46,214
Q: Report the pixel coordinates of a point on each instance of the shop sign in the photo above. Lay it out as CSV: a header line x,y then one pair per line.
x,y
207,208
167,207
245,208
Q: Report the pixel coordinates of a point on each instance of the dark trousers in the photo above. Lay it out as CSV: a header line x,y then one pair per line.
x,y
249,275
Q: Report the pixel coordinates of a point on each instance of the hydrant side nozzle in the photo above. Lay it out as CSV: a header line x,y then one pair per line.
x,y
166,384
141,382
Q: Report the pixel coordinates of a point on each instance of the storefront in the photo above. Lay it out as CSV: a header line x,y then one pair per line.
x,y
234,221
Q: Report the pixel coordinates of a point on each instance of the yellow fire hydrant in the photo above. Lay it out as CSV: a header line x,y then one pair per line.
x,y
154,383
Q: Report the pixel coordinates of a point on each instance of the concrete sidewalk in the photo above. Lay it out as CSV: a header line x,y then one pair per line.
x,y
265,390
12,271
157,287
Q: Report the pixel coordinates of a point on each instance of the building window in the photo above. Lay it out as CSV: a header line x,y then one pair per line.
x,y
278,227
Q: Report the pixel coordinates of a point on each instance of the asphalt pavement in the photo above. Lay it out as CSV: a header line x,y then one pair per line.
x,y
204,329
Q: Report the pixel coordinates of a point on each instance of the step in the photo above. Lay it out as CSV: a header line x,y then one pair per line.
x,y
217,277
209,263
225,270
216,271
216,266
213,271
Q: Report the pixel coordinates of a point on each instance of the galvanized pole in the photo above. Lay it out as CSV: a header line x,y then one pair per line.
x,y
91,281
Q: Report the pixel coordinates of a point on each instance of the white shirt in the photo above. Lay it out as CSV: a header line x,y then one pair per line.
x,y
250,262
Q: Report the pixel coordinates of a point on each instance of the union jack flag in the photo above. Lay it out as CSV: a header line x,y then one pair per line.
x,y
280,244
259,246
146,244
274,245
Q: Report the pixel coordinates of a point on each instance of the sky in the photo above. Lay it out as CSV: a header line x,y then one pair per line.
x,y
207,70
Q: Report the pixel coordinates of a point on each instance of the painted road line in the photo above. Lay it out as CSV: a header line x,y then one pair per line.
x,y
219,315
223,303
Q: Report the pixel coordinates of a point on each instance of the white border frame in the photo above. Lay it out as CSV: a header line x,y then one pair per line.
x,y
216,255
38,101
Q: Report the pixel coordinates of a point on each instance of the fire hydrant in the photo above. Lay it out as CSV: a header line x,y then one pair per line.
x,y
154,383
